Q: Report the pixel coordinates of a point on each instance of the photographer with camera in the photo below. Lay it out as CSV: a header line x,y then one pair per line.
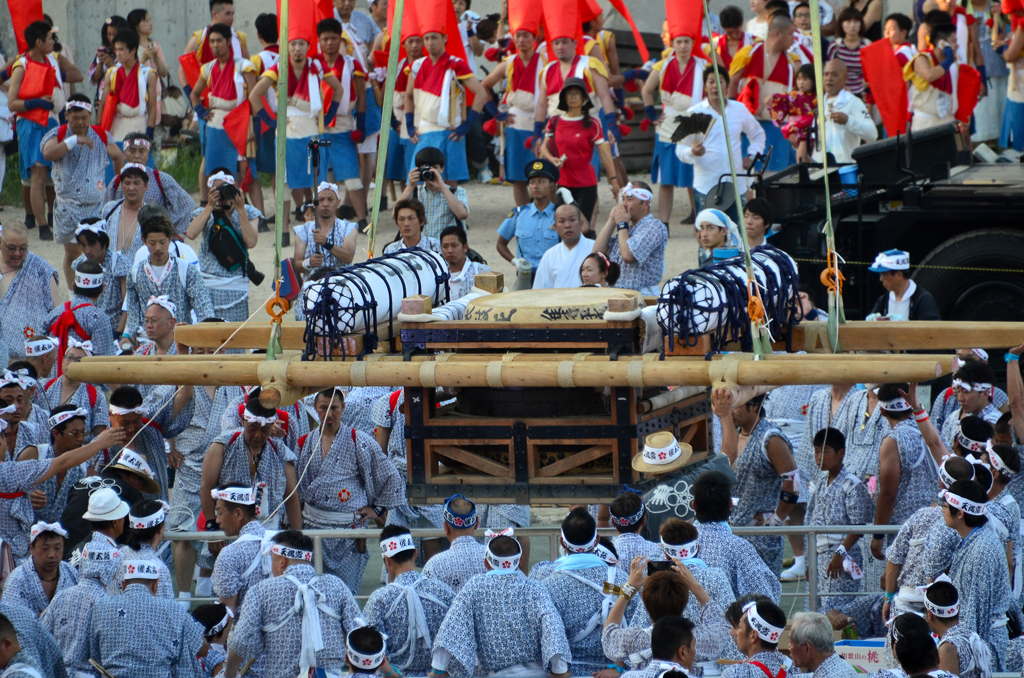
x,y
444,207
228,229
162,276
326,242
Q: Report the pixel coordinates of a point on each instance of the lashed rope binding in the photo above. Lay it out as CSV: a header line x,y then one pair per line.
x,y
714,300
334,303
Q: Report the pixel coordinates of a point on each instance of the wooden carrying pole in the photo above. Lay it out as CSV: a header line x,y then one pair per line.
x,y
287,381
917,335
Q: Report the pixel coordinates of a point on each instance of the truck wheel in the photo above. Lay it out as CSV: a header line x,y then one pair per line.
x,y
977,295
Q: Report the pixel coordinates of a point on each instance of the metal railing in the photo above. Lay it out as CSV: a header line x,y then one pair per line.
x,y
552,534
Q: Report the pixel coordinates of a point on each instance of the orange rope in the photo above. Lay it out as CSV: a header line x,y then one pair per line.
x,y
755,307
831,276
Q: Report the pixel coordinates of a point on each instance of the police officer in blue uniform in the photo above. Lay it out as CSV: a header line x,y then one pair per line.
x,y
533,224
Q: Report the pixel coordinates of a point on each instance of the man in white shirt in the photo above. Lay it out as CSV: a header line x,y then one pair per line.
x,y
560,265
847,123
710,158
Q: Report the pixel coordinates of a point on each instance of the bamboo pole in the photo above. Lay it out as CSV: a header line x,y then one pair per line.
x,y
740,370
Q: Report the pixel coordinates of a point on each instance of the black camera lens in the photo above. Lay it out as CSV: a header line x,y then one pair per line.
x,y
426,174
227,192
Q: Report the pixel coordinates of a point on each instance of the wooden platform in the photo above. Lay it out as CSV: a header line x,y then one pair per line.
x,y
539,460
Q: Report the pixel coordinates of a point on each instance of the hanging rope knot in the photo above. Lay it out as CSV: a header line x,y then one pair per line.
x,y
755,307
831,277
277,305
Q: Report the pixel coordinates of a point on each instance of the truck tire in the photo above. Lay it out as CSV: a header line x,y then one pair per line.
x,y
977,295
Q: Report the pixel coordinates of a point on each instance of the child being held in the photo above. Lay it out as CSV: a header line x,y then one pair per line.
x,y
794,112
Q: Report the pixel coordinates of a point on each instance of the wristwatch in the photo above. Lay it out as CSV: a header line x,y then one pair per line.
x,y
211,526
622,225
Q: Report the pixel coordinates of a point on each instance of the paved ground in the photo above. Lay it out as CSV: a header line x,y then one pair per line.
x,y
489,205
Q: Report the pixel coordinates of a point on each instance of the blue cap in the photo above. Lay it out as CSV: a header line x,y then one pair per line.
x,y
890,260
460,521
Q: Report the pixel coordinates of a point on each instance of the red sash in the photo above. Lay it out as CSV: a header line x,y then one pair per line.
x,y
64,323
782,671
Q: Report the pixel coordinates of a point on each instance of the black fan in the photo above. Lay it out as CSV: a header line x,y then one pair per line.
x,y
692,129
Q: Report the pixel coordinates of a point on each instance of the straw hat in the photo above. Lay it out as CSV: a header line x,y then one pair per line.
x,y
662,454
133,463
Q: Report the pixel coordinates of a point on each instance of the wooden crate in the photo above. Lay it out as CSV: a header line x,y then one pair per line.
x,y
539,460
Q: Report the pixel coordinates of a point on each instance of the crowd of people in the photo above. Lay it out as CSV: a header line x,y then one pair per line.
x,y
94,476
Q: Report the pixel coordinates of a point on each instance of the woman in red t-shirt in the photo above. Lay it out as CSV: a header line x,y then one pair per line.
x,y
569,143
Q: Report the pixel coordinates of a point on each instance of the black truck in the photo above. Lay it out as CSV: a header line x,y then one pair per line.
x,y
962,223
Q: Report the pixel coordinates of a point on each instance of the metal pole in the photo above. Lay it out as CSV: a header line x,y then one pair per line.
x,y
318,554
283,66
811,550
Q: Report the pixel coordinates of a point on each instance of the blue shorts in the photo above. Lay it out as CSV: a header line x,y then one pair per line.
x,y
517,157
298,173
266,153
1012,133
341,156
455,166
667,169
373,115
202,136
398,148
30,136
219,151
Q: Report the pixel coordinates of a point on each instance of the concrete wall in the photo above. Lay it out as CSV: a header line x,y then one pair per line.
x,y
175,20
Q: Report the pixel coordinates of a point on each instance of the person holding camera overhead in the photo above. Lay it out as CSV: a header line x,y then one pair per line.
x,y
444,207
228,229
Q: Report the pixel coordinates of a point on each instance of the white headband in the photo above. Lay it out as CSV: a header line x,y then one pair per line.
x,y
141,569
491,534
893,260
966,505
290,553
944,612
980,387
660,456
263,421
146,522
89,281
75,343
944,475
23,377
636,192
605,554
10,409
580,548
236,495
968,444
222,624
100,553
16,379
39,346
365,662
397,544
84,105
139,141
897,404
163,301
57,419
220,176
95,227
134,461
681,551
502,562
129,165
980,352
765,631
997,461
122,411
43,526
328,186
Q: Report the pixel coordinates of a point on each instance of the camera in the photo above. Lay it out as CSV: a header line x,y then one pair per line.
x,y
426,173
228,192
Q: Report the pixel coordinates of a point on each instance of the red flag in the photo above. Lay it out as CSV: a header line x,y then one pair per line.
x,y
236,125
24,12
623,11
39,81
191,66
109,111
968,87
885,78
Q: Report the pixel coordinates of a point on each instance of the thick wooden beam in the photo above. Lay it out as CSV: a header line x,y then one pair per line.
x,y
914,335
